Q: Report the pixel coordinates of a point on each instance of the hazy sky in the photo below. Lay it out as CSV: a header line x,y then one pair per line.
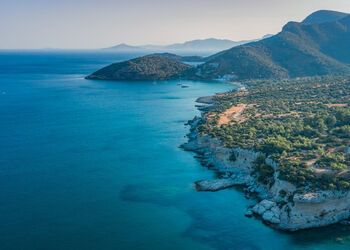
x,y
102,23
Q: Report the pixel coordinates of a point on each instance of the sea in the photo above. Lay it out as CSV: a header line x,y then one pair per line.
x,y
97,165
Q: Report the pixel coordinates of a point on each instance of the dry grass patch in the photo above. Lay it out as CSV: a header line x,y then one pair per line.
x,y
232,114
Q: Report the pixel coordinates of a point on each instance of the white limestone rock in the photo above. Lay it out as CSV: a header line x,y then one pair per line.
x,y
271,217
267,204
258,209
307,210
276,211
263,206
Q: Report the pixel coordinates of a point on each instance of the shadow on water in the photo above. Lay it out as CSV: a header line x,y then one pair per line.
x,y
334,234
148,193
211,223
216,223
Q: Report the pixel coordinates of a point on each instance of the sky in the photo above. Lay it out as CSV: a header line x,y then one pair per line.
x,y
85,24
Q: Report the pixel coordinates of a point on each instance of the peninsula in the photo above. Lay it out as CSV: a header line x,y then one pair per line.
x,y
287,142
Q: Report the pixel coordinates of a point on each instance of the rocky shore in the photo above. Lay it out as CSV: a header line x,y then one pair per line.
x,y
282,205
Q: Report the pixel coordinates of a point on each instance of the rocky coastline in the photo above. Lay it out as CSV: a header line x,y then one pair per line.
x,y
282,205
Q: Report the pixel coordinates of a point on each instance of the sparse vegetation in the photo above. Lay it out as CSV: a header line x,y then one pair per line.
x,y
303,124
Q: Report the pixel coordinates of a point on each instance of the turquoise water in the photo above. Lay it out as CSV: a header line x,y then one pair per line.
x,y
96,165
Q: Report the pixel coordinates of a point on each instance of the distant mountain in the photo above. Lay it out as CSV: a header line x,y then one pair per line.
x,y
151,67
125,47
324,16
208,46
298,50
320,45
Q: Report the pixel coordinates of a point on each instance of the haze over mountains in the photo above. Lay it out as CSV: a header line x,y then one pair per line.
x,y
315,46
199,46
320,45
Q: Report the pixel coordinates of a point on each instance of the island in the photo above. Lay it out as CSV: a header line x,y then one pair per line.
x,y
287,142
164,66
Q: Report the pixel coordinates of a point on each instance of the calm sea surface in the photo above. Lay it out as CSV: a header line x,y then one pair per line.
x,y
96,165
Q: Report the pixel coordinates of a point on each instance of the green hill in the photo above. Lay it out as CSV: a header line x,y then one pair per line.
x,y
298,50
152,67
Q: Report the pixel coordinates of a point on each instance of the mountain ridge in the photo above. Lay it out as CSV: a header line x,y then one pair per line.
x,y
323,16
315,48
298,50
209,45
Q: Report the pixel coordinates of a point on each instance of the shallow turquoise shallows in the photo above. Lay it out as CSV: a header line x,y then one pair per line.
x,y
97,165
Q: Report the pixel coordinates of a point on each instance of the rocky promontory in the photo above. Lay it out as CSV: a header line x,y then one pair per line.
x,y
279,205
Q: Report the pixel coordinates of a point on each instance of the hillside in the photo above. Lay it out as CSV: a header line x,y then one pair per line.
x,y
298,50
152,67
317,46
324,16
181,58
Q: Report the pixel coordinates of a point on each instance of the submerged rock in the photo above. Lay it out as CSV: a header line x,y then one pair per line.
x,y
345,222
215,185
249,213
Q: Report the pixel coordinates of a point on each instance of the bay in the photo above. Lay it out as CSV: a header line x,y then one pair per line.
x,y
97,164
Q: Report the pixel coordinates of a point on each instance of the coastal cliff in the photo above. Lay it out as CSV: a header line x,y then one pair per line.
x,y
280,203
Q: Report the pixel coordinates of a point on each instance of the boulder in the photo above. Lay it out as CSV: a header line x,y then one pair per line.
x,y
258,209
267,204
263,206
269,216
276,211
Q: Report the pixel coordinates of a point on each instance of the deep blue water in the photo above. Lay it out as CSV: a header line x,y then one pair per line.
x,y
96,165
